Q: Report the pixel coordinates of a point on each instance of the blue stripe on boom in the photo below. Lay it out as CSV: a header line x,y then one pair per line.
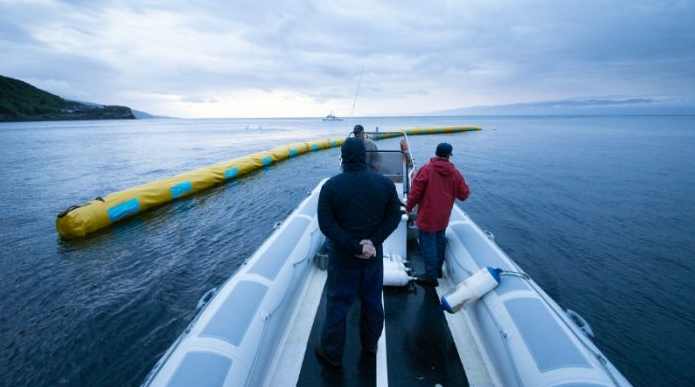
x,y
231,173
124,209
293,152
314,147
181,189
266,160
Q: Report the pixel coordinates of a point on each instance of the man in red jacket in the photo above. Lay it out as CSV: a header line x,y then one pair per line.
x,y
436,186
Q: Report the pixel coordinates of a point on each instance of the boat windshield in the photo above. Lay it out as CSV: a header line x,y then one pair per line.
x,y
389,163
392,159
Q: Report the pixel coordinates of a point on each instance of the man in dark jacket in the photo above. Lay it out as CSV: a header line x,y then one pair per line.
x,y
434,189
357,211
373,158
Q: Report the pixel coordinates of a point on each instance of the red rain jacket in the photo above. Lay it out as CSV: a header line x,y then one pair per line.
x,y
434,189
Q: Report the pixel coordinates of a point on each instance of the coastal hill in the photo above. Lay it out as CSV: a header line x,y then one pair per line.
x,y
20,101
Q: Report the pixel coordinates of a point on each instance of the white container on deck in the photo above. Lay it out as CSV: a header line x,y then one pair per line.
x,y
471,289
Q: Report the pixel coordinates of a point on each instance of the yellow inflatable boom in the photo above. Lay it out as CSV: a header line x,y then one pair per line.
x,y
83,219
421,131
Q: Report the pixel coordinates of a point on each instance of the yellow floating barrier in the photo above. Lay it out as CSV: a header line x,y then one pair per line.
x,y
422,131
83,219
439,130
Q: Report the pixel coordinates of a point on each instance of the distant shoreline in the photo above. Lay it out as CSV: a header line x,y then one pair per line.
x,y
20,102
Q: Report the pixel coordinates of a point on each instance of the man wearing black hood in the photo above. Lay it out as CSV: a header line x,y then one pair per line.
x,y
357,210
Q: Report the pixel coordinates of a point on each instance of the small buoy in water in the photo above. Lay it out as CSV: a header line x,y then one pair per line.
x,y
471,289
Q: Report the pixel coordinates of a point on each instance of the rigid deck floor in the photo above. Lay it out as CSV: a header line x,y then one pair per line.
x,y
420,349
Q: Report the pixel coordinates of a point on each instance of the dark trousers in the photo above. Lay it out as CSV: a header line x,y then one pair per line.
x,y
432,245
343,285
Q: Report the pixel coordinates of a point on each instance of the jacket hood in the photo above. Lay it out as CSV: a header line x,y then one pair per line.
x,y
442,165
354,154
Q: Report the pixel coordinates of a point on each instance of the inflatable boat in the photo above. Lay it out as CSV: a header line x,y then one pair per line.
x,y
261,326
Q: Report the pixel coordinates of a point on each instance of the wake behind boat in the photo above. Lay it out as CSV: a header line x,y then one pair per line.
x,y
261,326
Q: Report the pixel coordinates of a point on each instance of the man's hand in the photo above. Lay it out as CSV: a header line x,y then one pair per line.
x,y
368,249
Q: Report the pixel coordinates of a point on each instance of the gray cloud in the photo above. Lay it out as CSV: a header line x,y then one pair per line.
x,y
417,57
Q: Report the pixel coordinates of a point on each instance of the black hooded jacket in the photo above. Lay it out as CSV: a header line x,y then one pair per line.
x,y
354,205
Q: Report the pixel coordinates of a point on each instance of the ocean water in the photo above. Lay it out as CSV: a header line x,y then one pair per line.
x,y
600,211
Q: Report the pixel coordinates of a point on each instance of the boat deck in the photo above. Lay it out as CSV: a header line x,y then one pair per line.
x,y
420,350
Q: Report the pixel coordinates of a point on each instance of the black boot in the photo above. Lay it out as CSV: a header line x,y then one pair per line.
x,y
426,281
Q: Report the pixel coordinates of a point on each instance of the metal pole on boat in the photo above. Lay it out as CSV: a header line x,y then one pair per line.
x,y
359,81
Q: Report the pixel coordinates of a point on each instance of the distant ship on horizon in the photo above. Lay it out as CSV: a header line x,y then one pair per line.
x,y
332,117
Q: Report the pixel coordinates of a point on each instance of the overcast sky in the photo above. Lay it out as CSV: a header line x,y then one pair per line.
x,y
257,58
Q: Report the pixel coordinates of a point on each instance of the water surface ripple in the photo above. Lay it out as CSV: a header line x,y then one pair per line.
x,y
598,210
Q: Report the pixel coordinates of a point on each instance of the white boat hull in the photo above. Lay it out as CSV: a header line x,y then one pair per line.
x,y
256,329
524,338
